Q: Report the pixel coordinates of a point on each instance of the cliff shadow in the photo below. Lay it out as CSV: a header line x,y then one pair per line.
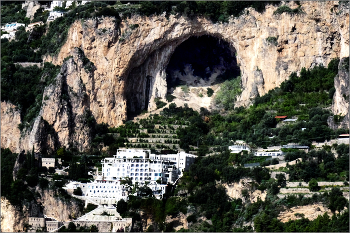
x,y
201,61
198,61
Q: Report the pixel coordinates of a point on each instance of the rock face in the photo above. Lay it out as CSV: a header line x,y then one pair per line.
x,y
309,211
31,7
62,120
141,55
234,190
130,66
340,105
14,219
10,134
59,209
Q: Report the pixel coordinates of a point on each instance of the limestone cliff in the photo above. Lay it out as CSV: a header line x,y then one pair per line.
x,y
62,120
12,220
57,208
340,105
15,219
130,63
10,134
125,59
31,7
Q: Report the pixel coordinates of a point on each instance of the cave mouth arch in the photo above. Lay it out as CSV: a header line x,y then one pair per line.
x,y
198,61
201,61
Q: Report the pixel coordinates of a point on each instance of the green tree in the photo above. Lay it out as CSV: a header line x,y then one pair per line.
x,y
313,185
122,206
71,227
281,180
336,200
78,191
93,228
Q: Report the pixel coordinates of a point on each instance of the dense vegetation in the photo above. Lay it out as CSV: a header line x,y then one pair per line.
x,y
214,10
303,97
200,191
229,90
24,87
13,12
320,164
204,197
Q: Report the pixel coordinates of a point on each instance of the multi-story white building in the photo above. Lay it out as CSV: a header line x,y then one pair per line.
x,y
269,153
141,168
237,148
54,15
9,36
55,4
10,27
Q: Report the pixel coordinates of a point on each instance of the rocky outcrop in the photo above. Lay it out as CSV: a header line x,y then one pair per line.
x,y
340,104
61,210
10,119
310,212
126,59
235,189
62,120
14,219
66,104
31,7
21,158
130,64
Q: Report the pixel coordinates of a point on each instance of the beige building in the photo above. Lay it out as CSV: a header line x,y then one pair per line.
x,y
32,25
52,225
48,162
37,223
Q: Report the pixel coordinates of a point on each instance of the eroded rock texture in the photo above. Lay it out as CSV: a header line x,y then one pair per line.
x,y
340,104
130,64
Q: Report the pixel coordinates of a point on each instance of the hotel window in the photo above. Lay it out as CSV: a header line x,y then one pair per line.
x,y
141,174
136,174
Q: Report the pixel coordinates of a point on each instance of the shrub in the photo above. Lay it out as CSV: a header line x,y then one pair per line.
x,y
313,185
134,26
228,93
78,191
170,98
192,218
51,170
210,92
159,103
185,89
287,9
272,40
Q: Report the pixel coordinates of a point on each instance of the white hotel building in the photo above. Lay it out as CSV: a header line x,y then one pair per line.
x,y
142,168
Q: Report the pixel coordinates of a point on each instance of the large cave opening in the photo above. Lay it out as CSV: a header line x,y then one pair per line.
x,y
184,68
201,61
